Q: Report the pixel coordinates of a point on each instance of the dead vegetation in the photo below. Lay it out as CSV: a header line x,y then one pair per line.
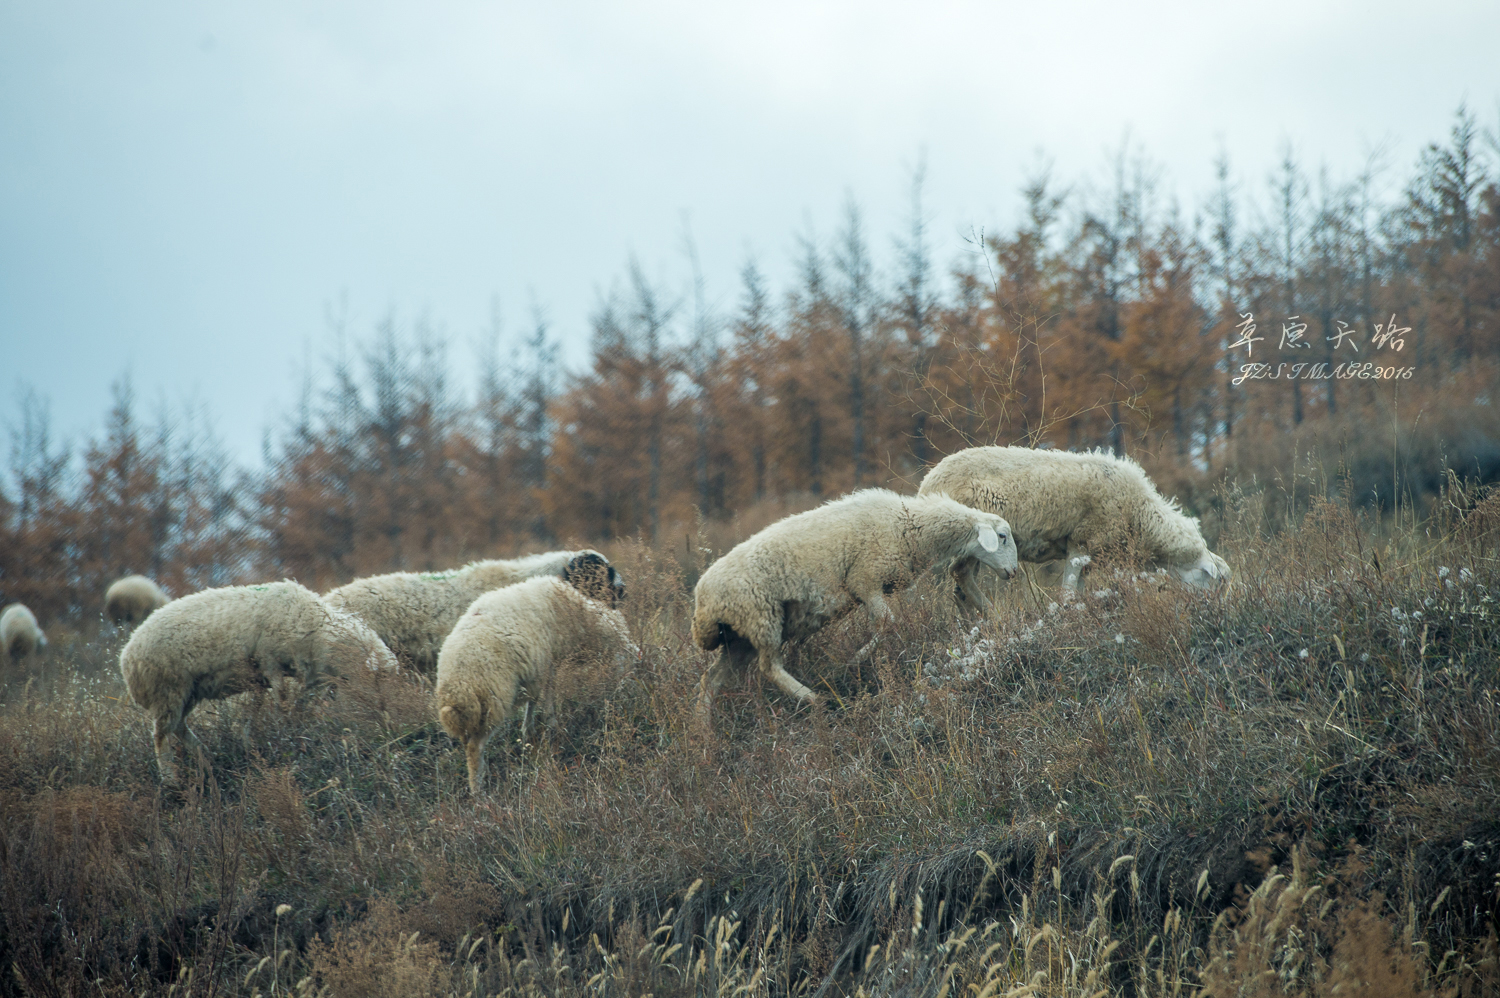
x,y
1287,788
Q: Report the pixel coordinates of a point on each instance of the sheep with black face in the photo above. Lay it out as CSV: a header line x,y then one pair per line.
x,y
413,612
511,642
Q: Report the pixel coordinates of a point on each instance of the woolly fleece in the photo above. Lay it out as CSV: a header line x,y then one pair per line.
x,y
220,642
414,611
19,634
789,580
1077,506
132,599
510,641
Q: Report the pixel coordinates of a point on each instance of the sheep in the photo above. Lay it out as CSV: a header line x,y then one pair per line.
x,y
414,611
132,599
512,640
1074,506
788,581
219,642
19,634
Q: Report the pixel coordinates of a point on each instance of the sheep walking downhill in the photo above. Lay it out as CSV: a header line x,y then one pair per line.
x,y
1075,506
793,577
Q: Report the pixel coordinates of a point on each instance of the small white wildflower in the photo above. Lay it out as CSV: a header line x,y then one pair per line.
x,y
1052,608
1464,575
1442,571
1427,602
282,910
1365,657
1119,639
1416,615
1397,614
1104,593
1303,653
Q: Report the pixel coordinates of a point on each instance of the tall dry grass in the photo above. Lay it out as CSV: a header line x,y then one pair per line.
x,y
1286,788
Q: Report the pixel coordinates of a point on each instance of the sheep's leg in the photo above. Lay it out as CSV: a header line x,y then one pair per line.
x,y
165,765
966,590
529,707
772,668
251,714
1077,562
879,612
733,658
474,753
709,685
175,727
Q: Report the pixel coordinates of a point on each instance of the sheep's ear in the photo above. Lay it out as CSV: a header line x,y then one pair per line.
x,y
1207,564
988,539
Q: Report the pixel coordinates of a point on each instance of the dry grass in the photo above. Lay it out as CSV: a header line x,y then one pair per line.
x,y
1288,788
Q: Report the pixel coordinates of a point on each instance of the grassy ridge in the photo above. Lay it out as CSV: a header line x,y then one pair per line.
x,y
1141,791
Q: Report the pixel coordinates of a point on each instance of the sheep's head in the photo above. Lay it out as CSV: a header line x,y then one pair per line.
x,y
591,574
992,544
1207,572
348,643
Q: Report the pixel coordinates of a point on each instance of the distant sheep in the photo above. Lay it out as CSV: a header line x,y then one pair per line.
x,y
786,582
19,634
414,611
132,599
1075,506
512,640
220,642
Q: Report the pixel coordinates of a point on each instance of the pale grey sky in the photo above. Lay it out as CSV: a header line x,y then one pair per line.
x,y
187,188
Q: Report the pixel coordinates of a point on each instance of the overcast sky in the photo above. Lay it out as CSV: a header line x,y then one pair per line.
x,y
187,189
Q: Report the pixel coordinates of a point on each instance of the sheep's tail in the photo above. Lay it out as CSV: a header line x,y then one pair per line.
x,y
707,634
461,717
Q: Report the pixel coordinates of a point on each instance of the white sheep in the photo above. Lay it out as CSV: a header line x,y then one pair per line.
x,y
513,640
786,582
132,599
219,642
1075,506
19,634
414,611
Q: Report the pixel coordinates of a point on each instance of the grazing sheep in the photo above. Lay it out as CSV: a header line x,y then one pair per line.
x,y
414,611
19,635
513,639
1074,506
132,599
796,575
220,642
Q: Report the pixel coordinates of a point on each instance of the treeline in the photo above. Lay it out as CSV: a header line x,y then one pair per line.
x,y
1321,324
